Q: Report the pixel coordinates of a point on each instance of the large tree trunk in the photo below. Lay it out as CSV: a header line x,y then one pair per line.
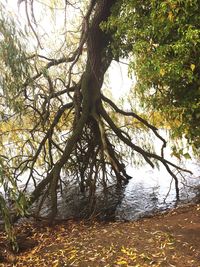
x,y
99,57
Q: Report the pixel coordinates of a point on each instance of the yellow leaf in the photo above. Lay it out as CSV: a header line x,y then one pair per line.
x,y
56,263
162,72
121,262
170,16
72,257
192,66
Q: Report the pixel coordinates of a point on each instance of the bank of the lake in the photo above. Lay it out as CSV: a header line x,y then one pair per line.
x,y
170,239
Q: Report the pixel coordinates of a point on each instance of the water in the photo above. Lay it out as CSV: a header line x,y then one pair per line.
x,y
149,191
153,190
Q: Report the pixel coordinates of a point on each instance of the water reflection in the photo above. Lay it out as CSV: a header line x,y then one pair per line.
x,y
75,204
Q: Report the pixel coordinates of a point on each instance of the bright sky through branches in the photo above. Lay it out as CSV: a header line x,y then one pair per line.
x,y
119,81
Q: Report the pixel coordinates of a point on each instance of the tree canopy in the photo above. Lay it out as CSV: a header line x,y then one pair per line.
x,y
162,39
57,124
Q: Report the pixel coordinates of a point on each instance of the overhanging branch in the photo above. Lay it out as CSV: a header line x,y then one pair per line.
x,y
134,115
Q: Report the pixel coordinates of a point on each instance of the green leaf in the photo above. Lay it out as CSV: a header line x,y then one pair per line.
x,y
187,156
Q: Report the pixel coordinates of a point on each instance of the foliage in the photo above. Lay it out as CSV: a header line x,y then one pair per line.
x,y
11,199
14,70
13,64
162,38
7,222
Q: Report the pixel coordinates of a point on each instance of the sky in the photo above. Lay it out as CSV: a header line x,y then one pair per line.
x,y
119,80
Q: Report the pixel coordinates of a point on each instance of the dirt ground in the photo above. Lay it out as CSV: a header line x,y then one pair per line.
x,y
170,239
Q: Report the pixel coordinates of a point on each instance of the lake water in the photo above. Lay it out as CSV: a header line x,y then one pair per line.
x,y
149,191
153,190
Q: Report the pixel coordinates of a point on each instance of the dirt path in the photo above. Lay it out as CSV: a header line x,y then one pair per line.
x,y
172,239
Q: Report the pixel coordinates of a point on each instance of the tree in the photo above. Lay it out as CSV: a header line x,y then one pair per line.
x,y
162,38
57,124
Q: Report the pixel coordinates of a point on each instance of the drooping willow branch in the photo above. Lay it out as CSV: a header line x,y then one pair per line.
x,y
147,155
51,128
143,121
